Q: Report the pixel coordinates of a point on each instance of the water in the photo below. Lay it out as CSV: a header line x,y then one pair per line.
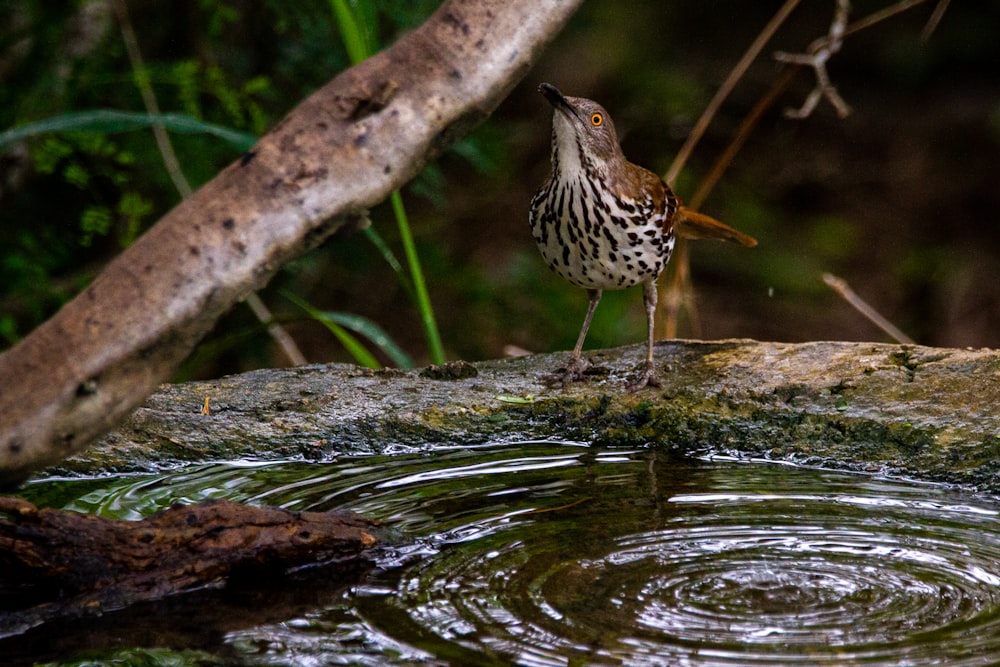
x,y
563,554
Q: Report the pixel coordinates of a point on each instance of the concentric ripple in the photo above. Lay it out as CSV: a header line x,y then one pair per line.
x,y
557,554
737,578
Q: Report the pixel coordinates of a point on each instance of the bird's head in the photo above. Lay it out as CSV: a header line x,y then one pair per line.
x,y
581,130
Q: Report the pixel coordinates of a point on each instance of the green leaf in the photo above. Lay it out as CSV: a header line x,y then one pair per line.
x,y
8,329
111,120
95,221
75,174
352,31
356,22
373,332
49,153
517,400
350,343
390,257
423,302
134,208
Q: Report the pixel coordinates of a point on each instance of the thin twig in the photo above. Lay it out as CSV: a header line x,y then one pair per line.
x,y
149,101
173,166
819,52
726,88
739,138
275,330
677,292
880,15
934,20
840,286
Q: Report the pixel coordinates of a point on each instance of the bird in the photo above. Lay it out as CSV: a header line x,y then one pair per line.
x,y
604,223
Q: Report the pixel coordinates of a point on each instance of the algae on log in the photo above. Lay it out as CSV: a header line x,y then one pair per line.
x,y
927,413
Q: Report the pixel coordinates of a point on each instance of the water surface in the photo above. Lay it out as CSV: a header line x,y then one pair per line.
x,y
563,554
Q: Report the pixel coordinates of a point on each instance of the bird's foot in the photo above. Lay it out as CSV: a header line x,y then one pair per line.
x,y
573,372
647,377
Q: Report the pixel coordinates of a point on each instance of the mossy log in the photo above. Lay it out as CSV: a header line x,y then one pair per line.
x,y
927,413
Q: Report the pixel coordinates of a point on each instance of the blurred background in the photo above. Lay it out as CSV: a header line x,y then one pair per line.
x,y
901,198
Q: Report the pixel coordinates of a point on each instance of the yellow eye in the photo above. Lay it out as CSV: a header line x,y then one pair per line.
x,y
597,120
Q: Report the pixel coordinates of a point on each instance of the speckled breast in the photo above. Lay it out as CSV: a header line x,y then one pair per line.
x,y
595,241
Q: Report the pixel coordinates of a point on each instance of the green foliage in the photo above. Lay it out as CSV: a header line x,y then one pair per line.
x,y
356,21
339,323
219,15
421,296
96,166
95,221
133,209
198,86
92,158
91,141
28,266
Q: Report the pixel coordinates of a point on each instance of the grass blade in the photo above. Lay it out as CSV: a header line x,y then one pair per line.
x,y
357,37
419,287
111,120
373,332
390,257
355,347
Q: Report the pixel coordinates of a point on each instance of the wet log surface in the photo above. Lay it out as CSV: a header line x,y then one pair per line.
x,y
55,563
921,412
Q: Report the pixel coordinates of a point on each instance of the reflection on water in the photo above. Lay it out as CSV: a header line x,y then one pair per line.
x,y
559,553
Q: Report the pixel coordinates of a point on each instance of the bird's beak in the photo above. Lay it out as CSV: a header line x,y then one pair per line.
x,y
558,100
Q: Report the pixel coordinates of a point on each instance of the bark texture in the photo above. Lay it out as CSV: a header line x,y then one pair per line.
x,y
57,563
342,150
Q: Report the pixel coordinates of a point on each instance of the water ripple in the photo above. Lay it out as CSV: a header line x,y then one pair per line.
x,y
550,554
651,573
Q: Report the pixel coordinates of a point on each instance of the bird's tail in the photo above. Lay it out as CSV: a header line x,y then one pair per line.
x,y
694,225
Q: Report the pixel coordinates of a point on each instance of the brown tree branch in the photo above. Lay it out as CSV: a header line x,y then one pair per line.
x,y
181,183
342,150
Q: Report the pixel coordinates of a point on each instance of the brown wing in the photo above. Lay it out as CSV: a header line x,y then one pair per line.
x,y
685,222
695,225
641,183
673,207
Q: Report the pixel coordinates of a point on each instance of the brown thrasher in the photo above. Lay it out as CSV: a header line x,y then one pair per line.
x,y
602,222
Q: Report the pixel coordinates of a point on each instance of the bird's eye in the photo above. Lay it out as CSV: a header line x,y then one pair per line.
x,y
597,120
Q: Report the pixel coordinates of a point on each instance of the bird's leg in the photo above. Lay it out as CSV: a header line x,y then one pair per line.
x,y
595,298
647,374
577,364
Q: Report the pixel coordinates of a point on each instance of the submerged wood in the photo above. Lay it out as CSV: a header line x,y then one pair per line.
x,y
55,563
921,412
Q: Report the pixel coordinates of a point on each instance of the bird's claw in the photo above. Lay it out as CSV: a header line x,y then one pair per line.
x,y
577,368
647,377
573,372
